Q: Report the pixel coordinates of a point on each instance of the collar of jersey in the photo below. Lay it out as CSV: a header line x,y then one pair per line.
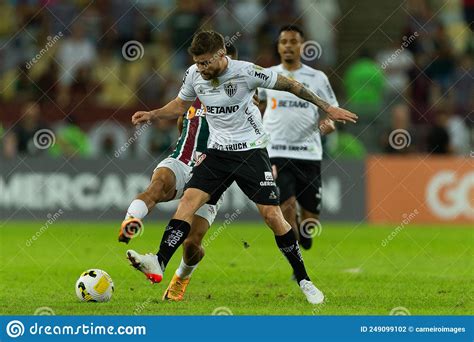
x,y
299,69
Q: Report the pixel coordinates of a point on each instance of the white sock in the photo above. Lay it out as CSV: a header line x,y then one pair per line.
x,y
137,209
184,271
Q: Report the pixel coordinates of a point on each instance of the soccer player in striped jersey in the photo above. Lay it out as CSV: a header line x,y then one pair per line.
x,y
167,183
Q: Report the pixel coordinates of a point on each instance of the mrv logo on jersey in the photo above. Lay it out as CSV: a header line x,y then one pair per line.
x,y
261,75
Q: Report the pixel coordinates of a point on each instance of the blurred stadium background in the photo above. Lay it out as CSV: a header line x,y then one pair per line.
x,y
73,72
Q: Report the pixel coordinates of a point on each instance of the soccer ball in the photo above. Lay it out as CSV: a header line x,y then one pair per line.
x,y
94,286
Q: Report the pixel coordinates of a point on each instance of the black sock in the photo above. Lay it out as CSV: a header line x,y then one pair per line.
x,y
290,248
175,233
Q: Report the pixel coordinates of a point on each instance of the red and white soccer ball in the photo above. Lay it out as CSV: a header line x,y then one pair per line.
x,y
94,286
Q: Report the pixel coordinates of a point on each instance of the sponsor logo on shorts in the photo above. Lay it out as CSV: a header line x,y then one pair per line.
x,y
272,195
268,176
267,183
211,209
200,159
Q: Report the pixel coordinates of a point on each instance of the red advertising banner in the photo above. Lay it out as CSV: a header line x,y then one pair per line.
x,y
425,189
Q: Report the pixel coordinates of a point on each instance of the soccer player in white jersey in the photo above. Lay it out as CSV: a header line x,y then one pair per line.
x,y
295,130
167,183
236,150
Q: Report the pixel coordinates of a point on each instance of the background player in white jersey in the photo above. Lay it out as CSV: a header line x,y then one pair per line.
x,y
167,184
294,126
236,150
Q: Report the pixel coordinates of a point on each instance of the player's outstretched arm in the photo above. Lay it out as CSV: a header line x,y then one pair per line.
x,y
171,110
334,113
326,126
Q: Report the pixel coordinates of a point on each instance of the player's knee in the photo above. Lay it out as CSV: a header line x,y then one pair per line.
x,y
186,203
289,208
272,216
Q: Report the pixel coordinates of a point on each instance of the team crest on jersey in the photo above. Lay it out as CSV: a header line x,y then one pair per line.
x,y
230,89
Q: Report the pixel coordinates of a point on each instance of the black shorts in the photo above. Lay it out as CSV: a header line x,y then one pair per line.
x,y
216,170
302,179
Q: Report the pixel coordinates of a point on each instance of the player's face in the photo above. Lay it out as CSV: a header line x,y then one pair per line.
x,y
289,45
209,64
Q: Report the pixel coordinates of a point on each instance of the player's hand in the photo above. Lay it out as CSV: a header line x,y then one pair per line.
x,y
141,116
255,99
274,171
326,127
341,115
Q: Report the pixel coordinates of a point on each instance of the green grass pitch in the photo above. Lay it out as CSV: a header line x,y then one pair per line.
x,y
424,270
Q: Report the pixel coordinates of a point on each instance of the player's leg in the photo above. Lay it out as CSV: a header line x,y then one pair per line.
x,y
288,208
288,245
286,182
309,196
308,227
193,252
207,184
162,188
257,183
178,228
285,238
